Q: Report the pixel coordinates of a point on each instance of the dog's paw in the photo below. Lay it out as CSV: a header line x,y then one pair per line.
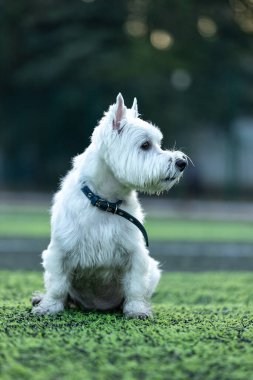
x,y
137,309
44,308
139,315
36,298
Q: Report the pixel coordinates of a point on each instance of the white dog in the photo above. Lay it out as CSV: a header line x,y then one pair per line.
x,y
98,260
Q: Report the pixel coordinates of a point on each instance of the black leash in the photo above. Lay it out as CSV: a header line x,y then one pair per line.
x,y
113,208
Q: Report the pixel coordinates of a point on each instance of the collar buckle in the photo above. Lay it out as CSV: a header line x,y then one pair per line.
x,y
102,204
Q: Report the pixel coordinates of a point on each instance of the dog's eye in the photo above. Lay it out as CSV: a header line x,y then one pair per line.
x,y
146,145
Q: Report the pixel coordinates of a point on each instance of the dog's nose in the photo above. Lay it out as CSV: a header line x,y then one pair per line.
x,y
181,164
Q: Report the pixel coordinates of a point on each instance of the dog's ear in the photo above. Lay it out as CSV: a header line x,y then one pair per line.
x,y
135,108
119,113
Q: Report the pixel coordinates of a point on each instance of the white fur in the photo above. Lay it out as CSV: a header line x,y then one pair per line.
x,y
97,259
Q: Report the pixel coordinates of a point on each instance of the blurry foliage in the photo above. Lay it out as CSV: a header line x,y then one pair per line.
x,y
63,62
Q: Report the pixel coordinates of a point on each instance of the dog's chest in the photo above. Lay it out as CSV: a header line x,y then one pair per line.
x,y
91,237
99,254
96,238
101,240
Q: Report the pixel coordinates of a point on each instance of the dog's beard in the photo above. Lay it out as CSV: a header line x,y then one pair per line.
x,y
158,186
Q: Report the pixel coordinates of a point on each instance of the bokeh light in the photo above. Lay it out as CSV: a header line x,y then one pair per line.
x,y
161,39
181,79
135,28
206,27
243,14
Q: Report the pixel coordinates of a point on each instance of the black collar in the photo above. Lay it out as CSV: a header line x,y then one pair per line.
x,y
113,208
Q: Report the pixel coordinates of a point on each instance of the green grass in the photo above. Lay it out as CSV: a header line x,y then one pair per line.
x,y
30,222
203,329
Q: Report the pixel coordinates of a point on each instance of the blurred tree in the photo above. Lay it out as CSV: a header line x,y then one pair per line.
x,y
63,62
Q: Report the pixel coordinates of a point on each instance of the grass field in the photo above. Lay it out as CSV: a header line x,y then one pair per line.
x,y
34,222
202,329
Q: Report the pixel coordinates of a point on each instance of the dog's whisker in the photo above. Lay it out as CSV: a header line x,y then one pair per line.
x,y
189,159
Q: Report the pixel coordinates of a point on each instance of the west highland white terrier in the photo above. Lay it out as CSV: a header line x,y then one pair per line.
x,y
98,257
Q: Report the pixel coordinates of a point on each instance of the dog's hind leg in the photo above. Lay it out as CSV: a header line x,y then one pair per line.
x,y
56,280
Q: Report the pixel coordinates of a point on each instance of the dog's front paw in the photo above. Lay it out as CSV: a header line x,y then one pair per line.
x,y
47,308
137,309
139,315
36,298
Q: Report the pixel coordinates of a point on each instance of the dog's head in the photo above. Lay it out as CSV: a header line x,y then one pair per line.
x,y
131,147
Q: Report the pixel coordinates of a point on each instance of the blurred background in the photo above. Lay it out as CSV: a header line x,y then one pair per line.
x,y
190,65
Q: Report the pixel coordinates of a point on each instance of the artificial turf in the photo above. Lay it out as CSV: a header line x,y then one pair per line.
x,y
202,329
